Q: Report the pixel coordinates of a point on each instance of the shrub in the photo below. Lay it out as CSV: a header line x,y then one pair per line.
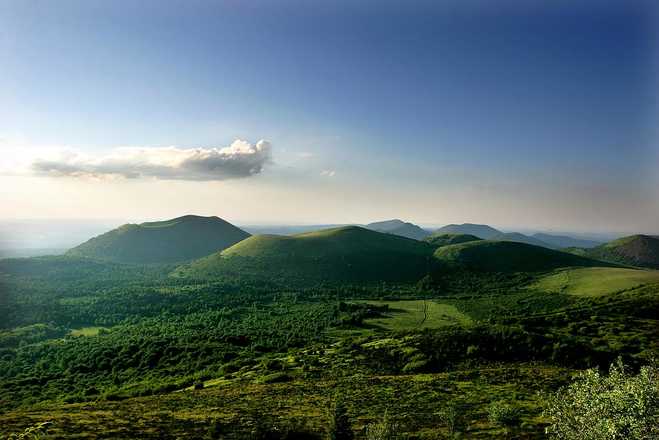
x,y
503,414
598,407
383,430
452,419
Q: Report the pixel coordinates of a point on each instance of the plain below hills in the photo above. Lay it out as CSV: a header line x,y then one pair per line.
x,y
171,241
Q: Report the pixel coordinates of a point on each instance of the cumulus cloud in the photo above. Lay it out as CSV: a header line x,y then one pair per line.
x,y
240,159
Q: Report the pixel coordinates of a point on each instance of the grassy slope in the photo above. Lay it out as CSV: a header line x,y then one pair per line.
x,y
482,231
414,402
595,280
347,254
504,256
449,239
409,315
181,239
635,250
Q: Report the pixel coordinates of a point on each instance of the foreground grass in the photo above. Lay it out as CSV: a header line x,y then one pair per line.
x,y
415,402
595,281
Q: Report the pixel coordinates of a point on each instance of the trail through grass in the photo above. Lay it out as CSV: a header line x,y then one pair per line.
x,y
418,314
595,281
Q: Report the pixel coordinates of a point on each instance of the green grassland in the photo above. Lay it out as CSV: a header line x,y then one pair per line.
x,y
87,331
239,410
417,315
595,280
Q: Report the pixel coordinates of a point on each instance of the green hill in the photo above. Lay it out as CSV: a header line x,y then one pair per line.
x,y
176,240
634,250
348,254
507,256
439,240
399,227
481,231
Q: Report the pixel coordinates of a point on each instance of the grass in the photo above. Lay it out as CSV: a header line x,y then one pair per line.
x,y
86,331
506,256
414,402
595,281
409,315
345,255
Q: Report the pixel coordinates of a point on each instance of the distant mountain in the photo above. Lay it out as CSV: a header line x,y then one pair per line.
x,y
399,227
449,239
565,241
635,250
481,231
507,256
521,238
176,240
349,254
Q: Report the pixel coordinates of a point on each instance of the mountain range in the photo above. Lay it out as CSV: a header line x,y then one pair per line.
x,y
391,250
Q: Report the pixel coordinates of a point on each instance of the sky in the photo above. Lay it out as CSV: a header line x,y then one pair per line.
x,y
513,113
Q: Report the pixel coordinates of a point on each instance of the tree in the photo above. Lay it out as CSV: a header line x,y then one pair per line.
x,y
598,407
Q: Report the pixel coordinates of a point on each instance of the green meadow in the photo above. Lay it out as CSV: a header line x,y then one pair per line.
x,y
593,281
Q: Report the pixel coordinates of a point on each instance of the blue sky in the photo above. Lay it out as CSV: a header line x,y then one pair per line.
x,y
431,111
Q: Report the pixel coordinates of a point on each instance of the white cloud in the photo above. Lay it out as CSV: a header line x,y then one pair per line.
x,y
240,159
328,173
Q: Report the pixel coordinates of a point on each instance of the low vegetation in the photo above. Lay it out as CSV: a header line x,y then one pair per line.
x,y
428,347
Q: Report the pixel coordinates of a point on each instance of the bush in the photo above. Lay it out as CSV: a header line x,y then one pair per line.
x,y
451,419
503,414
617,406
384,430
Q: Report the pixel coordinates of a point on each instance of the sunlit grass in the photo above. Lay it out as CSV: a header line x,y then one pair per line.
x,y
594,281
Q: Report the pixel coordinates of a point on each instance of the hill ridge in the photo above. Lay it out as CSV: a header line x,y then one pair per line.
x,y
169,241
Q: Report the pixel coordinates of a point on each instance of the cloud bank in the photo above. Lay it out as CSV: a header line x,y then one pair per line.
x,y
240,159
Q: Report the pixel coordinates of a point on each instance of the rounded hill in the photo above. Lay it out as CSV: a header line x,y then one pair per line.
x,y
440,240
170,241
348,254
635,250
507,256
